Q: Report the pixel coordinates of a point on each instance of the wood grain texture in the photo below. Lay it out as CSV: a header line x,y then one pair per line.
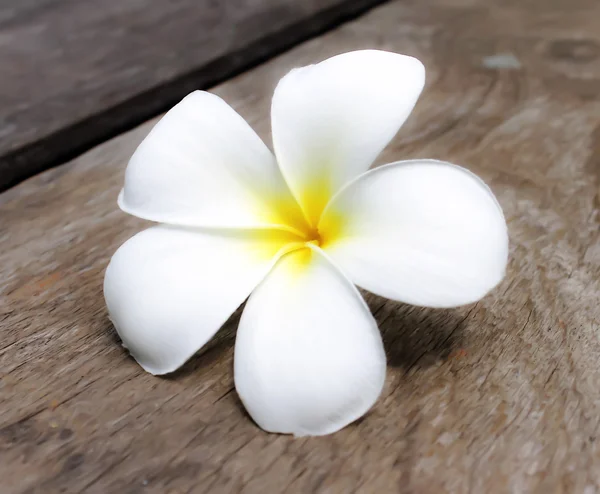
x,y
75,73
501,396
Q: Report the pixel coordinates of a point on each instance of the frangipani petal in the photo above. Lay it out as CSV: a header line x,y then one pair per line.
x,y
308,357
202,165
168,290
424,232
332,119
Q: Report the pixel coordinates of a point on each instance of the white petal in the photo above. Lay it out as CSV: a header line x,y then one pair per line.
x,y
424,232
308,357
331,120
202,165
168,290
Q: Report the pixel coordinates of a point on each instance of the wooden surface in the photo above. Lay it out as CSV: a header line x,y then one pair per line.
x,y
76,72
502,396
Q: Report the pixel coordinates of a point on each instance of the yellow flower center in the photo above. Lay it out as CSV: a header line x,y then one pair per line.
x,y
313,236
305,222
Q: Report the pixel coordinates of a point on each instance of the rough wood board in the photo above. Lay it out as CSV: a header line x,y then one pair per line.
x,y
502,396
75,73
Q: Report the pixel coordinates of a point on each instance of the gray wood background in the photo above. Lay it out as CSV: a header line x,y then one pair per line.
x,y
76,72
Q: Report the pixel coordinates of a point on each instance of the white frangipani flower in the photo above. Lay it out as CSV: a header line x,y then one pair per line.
x,y
295,232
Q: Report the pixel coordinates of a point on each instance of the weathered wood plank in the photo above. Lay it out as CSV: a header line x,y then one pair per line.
x,y
77,73
502,396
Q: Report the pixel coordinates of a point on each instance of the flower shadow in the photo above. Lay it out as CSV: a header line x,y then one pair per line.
x,y
416,337
212,353
208,356
413,337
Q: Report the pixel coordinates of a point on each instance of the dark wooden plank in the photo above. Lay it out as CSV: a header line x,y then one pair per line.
x,y
502,396
75,73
